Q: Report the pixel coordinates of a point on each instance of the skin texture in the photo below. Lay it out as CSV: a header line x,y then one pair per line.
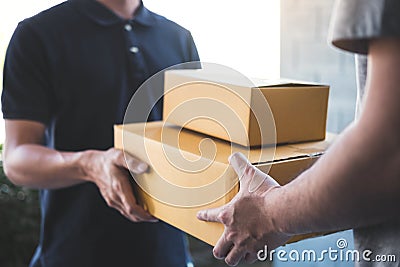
x,y
356,183
27,162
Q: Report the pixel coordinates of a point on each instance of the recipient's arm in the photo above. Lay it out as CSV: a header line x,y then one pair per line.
x,y
356,183
27,162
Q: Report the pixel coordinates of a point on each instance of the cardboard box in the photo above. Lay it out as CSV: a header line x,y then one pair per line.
x,y
235,109
190,171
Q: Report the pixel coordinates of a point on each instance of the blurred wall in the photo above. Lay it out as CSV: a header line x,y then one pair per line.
x,y
306,55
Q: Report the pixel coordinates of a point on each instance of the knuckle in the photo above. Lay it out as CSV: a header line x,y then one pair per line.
x,y
116,153
135,219
109,202
111,151
113,196
131,161
242,242
221,217
249,170
224,217
231,236
116,185
131,210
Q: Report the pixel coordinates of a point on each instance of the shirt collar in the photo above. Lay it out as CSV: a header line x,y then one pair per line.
x,y
105,17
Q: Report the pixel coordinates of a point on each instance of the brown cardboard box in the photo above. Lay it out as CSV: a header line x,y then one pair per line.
x,y
234,108
185,177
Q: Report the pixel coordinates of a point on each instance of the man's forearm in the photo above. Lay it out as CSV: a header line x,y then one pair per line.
x,y
354,184
37,166
357,182
27,162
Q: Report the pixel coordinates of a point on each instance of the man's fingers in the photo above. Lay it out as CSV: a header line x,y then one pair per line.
x,y
115,203
141,215
210,215
131,206
222,247
234,256
135,165
127,161
134,210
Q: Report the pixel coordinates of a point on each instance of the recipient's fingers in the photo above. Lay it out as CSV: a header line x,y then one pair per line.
x,y
234,256
250,177
239,163
222,247
210,215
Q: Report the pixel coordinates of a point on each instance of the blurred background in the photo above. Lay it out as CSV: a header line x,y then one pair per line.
x,y
259,38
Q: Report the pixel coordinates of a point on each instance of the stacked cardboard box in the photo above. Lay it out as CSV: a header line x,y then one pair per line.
x,y
188,151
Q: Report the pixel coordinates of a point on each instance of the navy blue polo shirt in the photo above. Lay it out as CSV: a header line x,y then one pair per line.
x,y
74,68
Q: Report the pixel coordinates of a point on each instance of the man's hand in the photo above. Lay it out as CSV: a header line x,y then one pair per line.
x,y
24,156
248,227
109,170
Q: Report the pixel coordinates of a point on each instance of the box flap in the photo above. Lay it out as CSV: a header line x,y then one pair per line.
x,y
216,75
234,78
282,82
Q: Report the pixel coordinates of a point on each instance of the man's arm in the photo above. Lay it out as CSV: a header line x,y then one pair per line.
x,y
355,183
27,162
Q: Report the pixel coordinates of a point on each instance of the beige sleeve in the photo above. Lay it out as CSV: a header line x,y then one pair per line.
x,y
355,22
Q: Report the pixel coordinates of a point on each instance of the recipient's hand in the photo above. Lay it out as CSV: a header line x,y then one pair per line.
x,y
110,172
248,228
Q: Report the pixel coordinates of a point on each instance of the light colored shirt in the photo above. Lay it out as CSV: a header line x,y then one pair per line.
x,y
354,23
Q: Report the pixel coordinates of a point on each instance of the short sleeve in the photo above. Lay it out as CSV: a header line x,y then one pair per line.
x,y
355,22
26,82
193,54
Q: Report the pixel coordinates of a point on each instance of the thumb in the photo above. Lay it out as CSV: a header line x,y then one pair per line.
x,y
239,164
247,173
250,177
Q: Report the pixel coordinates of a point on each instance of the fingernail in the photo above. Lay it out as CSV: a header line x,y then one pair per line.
x,y
217,256
231,157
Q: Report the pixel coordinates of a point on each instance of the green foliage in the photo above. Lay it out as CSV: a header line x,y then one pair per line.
x,y
19,223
